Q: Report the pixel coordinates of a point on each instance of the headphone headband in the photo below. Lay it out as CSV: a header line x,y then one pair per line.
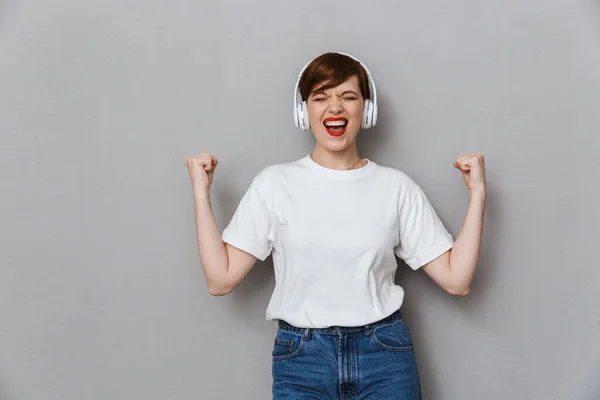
x,y
371,109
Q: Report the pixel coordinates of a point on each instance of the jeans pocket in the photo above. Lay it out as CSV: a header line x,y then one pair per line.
x,y
393,336
287,345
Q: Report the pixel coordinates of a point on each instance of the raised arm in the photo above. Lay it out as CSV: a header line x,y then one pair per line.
x,y
455,269
224,265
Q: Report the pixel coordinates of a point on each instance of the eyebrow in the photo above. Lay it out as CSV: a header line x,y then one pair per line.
x,y
316,92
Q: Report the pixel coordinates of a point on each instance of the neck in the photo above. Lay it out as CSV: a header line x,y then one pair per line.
x,y
342,160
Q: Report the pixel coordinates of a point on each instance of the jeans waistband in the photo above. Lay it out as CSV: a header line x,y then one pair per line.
x,y
396,315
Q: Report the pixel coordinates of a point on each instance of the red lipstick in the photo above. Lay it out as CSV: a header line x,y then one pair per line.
x,y
338,129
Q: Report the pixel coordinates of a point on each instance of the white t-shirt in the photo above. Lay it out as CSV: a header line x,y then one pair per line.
x,y
333,235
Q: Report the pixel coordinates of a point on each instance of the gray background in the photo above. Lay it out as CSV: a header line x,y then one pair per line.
x,y
101,292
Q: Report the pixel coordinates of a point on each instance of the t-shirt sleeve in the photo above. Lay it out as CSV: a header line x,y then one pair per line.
x,y
250,228
423,236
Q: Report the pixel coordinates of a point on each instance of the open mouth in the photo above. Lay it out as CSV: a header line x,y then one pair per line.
x,y
335,126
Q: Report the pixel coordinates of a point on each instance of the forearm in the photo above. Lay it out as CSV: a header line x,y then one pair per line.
x,y
465,252
213,254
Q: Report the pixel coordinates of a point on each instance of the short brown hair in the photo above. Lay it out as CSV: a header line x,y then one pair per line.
x,y
334,69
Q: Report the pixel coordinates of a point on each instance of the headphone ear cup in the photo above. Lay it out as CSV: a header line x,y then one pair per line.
x,y
374,113
367,114
299,116
303,116
296,121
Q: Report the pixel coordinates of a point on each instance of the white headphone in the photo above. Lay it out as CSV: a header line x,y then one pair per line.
x,y
369,117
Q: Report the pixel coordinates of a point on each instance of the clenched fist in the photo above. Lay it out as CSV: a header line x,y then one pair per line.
x,y
201,168
472,167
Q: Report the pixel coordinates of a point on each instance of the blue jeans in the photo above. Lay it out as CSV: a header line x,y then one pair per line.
x,y
374,361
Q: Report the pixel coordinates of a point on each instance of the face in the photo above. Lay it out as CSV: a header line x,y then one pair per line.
x,y
335,115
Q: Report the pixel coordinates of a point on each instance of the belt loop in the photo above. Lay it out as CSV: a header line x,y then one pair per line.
x,y
307,333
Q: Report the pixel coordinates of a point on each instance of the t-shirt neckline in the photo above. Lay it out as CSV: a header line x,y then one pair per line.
x,y
338,173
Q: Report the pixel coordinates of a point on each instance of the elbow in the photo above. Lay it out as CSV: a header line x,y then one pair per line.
x,y
218,290
459,292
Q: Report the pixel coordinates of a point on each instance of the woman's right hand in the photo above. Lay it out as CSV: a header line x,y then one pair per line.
x,y
201,168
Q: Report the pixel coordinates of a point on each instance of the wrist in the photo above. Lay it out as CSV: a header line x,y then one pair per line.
x,y
201,192
477,192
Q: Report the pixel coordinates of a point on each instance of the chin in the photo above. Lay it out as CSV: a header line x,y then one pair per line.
x,y
335,144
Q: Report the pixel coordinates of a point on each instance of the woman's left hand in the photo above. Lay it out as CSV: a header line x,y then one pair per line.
x,y
472,167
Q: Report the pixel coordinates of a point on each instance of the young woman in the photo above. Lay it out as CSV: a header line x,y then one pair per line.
x,y
333,222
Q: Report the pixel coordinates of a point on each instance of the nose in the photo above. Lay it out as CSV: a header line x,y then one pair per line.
x,y
335,106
